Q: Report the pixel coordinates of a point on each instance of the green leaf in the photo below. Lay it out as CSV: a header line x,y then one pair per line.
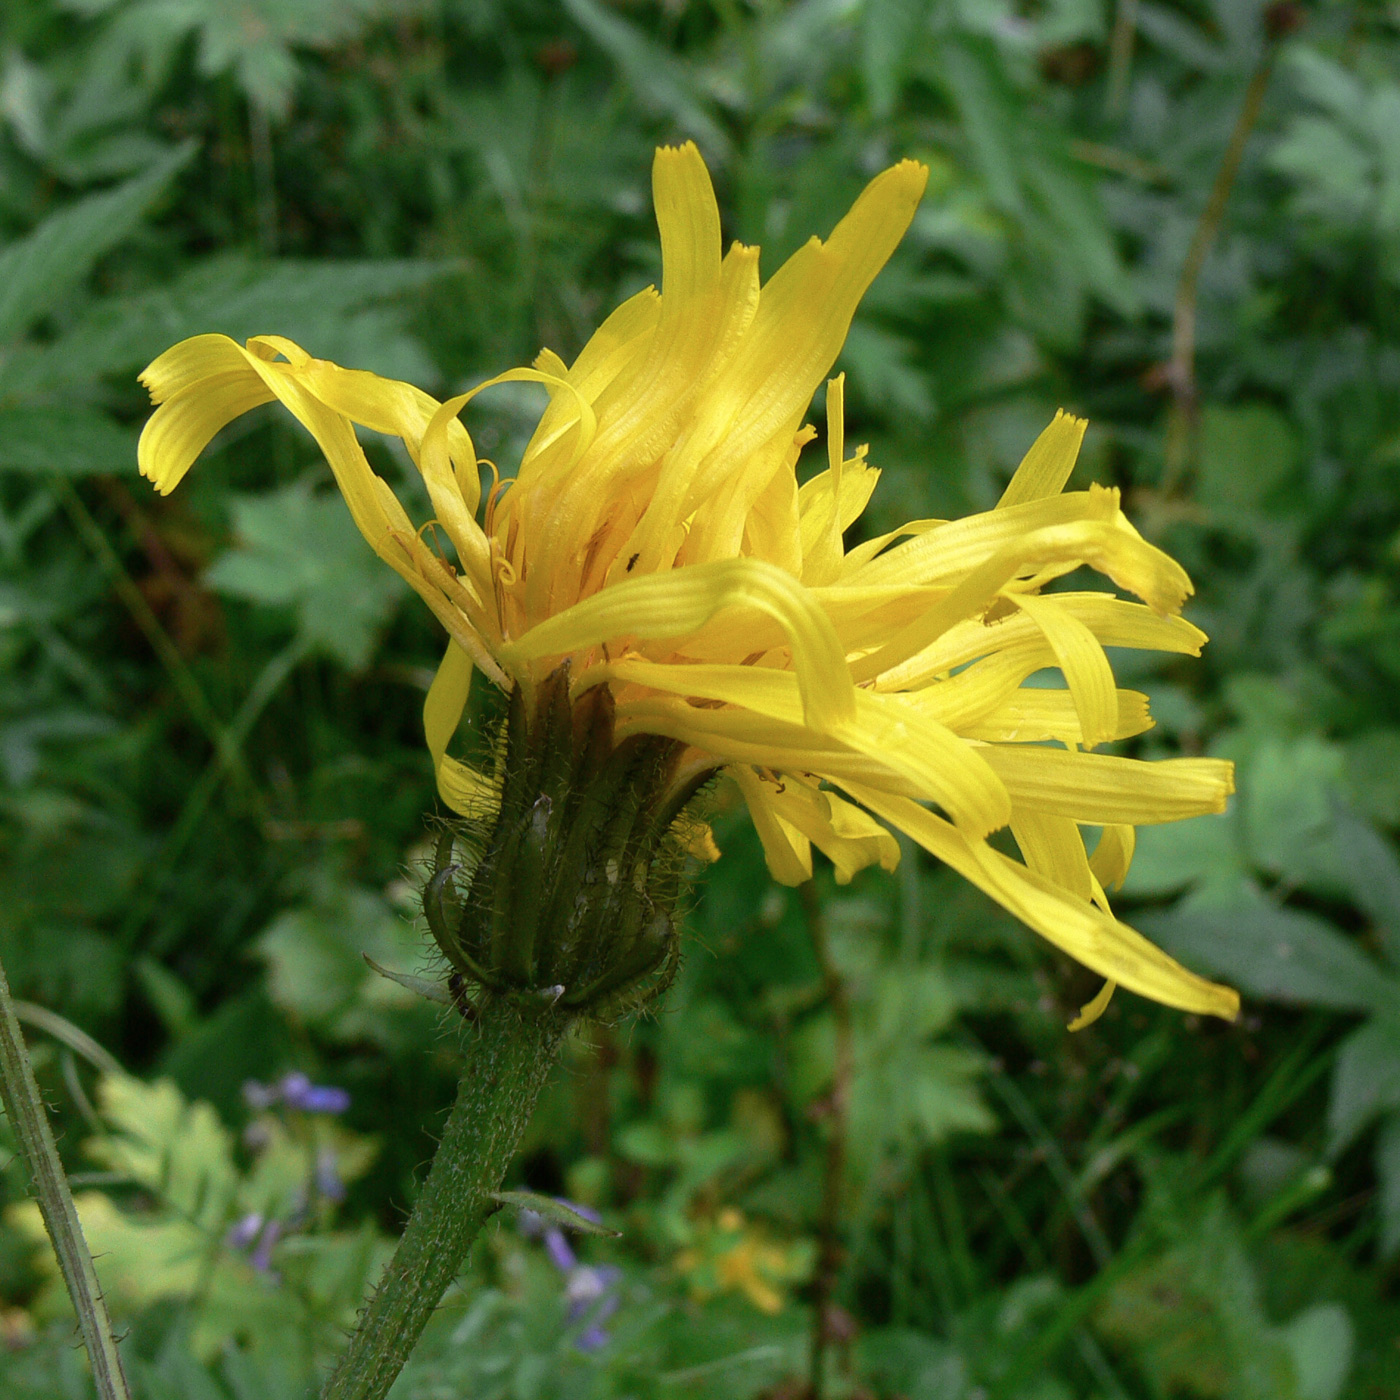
x,y
37,269
990,115
252,39
1246,452
1373,775
319,957
1202,854
1280,954
1320,1341
425,987
1373,874
1288,804
1365,1080
889,32
884,374
71,441
330,308
1388,1173
302,551
659,80
557,1211
173,1148
1196,1319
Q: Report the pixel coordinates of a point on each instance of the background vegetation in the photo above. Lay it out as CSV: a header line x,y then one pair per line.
x,y
212,780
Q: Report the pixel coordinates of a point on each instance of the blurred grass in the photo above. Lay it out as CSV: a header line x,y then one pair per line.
x,y
211,775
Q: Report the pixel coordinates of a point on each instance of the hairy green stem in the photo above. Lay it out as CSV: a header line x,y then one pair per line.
x,y
30,1120
509,1055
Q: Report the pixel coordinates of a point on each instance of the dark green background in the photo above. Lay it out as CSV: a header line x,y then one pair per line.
x,y
212,778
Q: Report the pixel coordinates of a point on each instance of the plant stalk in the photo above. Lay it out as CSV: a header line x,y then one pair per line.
x,y
30,1120
509,1055
830,1247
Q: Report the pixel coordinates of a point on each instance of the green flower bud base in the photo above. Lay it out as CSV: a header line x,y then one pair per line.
x,y
567,893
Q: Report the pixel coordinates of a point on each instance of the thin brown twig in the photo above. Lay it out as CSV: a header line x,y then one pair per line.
x,y
1120,55
1181,371
830,1248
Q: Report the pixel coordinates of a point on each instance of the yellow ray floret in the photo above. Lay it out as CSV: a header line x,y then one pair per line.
x,y
656,539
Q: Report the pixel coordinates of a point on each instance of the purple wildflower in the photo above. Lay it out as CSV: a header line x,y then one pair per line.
x,y
328,1181
261,1258
243,1232
297,1091
592,1295
560,1251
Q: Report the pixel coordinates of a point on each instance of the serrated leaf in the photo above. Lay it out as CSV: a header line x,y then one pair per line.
x,y
37,269
170,1244
1202,854
178,1150
301,551
1288,804
316,956
991,118
557,1211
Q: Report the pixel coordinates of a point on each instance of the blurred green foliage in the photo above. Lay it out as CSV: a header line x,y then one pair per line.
x,y
212,783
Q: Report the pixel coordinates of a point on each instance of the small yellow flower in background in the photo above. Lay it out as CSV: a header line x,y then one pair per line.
x,y
731,1256
656,539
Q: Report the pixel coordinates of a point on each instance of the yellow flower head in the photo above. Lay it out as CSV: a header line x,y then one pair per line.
x,y
655,537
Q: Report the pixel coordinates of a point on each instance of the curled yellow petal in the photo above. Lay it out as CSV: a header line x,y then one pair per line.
x,y
1085,667
1113,855
1114,621
1092,1010
670,605
185,424
1127,559
1099,941
787,851
442,709
848,837
1053,847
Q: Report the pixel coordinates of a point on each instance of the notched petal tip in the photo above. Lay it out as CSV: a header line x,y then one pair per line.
x,y
1092,1010
683,150
913,173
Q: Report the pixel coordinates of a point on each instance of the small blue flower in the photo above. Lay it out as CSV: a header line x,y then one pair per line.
x,y
243,1232
297,1091
261,1257
328,1181
592,1295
